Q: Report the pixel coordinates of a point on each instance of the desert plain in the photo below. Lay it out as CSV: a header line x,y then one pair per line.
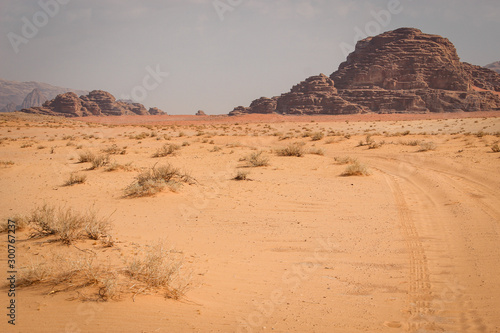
x,y
376,223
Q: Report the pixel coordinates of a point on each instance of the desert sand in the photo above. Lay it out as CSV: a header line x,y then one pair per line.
x,y
412,246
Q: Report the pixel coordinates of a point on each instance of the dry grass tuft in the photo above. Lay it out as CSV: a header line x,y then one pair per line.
x,y
85,156
345,160
426,146
241,175
495,148
154,180
75,179
257,159
356,169
166,149
293,149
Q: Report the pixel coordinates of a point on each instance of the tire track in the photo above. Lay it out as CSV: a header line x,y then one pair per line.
x,y
419,289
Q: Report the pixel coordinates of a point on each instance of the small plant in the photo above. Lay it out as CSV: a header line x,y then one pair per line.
x,y
6,163
116,166
75,179
317,136
99,161
495,148
426,146
115,150
166,149
316,151
241,175
257,159
85,156
154,180
345,160
356,169
293,149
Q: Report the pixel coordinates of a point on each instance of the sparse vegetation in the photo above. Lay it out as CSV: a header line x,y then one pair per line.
x,y
257,159
317,136
166,149
495,148
345,160
154,180
293,149
316,151
99,161
426,146
356,169
241,175
75,179
6,163
85,156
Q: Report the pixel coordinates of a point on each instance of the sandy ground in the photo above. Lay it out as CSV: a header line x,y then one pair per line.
x,y
412,247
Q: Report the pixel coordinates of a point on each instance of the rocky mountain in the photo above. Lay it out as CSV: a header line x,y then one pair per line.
x,y
494,66
96,103
34,98
404,70
13,92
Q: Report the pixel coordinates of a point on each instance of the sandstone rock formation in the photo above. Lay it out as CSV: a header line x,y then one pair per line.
x,y
96,103
11,107
34,98
494,66
156,111
403,70
200,113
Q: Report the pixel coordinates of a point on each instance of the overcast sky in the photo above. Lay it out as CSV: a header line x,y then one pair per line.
x,y
218,53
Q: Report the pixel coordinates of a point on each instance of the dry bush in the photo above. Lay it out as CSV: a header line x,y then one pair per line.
x,y
116,166
85,156
99,161
160,268
115,150
345,160
495,148
316,151
6,163
293,149
166,149
317,136
426,146
68,225
241,175
154,180
410,143
75,179
356,169
257,159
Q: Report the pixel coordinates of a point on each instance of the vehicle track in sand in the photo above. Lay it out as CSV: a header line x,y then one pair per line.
x,y
448,221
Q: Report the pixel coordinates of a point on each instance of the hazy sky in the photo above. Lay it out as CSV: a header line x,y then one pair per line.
x,y
218,53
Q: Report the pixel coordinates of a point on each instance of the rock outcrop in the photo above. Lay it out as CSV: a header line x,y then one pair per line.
x,y
200,113
34,98
96,103
494,66
11,107
156,111
404,70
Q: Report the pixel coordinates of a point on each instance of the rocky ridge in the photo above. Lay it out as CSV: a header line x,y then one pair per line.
x,y
404,70
96,103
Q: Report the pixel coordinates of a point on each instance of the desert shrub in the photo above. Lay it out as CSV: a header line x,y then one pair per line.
x,y
116,166
293,149
241,175
85,156
6,163
257,159
356,169
154,180
410,142
345,160
75,179
99,161
20,223
159,268
426,146
317,136
166,149
316,151
115,150
495,148
67,224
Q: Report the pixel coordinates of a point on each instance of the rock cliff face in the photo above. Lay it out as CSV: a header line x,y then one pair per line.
x,y
96,103
403,70
34,98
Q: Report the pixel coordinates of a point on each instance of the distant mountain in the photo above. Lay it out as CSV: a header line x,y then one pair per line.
x,y
34,98
494,66
14,93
